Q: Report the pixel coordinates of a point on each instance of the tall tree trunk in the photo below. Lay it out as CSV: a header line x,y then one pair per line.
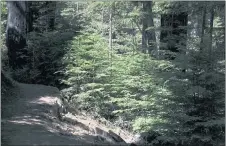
x,y
16,33
112,8
110,29
211,33
203,26
133,39
144,27
102,21
29,16
151,33
148,36
144,42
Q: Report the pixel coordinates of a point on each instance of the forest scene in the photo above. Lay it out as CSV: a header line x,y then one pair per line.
x,y
147,72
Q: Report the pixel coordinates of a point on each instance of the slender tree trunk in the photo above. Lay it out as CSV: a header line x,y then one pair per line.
x,y
77,11
144,27
102,21
144,43
203,26
29,15
29,20
158,36
110,30
112,7
151,33
148,36
133,39
211,33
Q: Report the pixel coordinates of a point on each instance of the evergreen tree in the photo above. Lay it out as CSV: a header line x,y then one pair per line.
x,y
150,67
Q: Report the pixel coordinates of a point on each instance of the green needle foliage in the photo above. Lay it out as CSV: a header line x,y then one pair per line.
x,y
112,60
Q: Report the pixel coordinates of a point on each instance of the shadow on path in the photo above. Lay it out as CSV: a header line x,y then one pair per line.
x,y
28,119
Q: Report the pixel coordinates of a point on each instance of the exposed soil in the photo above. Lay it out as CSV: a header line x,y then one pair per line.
x,y
29,118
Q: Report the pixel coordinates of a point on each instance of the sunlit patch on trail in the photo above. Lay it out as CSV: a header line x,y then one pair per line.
x,y
30,121
45,100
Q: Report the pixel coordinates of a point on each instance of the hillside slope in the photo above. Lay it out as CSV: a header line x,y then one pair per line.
x,y
29,117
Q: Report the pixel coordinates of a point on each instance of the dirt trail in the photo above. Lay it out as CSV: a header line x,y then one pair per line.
x,y
28,118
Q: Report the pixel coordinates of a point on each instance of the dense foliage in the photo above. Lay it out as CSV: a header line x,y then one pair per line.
x,y
105,60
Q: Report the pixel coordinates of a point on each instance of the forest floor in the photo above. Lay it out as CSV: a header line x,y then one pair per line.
x,y
29,118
